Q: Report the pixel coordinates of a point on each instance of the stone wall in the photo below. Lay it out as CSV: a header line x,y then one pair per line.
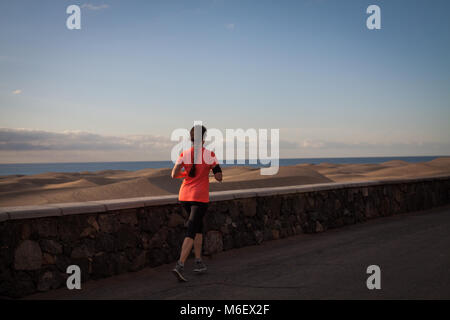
x,y
105,238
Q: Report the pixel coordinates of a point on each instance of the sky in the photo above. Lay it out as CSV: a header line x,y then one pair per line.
x,y
117,88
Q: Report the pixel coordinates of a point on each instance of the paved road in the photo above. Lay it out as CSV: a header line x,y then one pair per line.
x,y
412,250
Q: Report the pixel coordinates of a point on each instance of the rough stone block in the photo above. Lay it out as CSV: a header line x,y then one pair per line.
x,y
28,256
213,242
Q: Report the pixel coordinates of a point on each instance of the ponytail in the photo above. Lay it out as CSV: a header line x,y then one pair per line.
x,y
193,157
197,147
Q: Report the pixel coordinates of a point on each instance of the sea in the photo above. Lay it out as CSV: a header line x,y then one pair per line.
x,y
37,168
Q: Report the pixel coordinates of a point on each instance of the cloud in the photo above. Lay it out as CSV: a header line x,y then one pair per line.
x,y
27,145
90,6
18,91
230,26
307,143
318,148
27,139
327,145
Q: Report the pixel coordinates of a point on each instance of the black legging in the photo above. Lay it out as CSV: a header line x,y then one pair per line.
x,y
196,211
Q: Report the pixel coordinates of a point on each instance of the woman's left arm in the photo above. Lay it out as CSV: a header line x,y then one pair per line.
x,y
217,172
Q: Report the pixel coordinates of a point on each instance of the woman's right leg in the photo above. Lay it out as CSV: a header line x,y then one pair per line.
x,y
186,249
188,242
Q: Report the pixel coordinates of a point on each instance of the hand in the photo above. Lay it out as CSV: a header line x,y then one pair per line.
x,y
218,176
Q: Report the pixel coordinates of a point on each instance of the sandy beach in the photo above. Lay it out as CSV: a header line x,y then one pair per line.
x,y
17,190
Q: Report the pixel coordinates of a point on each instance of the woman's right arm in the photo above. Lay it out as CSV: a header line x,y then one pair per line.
x,y
176,171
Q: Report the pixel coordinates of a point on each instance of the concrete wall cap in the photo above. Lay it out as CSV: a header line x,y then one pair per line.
x,y
29,212
161,200
120,204
73,208
222,195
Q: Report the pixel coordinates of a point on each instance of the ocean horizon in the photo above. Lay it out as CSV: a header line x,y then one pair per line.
x,y
38,168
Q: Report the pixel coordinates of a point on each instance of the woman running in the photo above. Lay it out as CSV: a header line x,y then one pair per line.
x,y
194,195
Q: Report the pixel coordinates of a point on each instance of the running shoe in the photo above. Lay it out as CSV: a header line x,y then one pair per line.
x,y
178,272
199,266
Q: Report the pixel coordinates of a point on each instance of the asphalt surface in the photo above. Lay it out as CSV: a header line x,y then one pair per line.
x,y
412,251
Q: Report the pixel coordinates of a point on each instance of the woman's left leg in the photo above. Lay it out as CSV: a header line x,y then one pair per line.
x,y
194,228
196,212
198,241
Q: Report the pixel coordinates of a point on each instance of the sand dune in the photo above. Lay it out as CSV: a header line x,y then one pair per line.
x,y
250,174
443,162
385,170
112,184
395,163
251,178
82,183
